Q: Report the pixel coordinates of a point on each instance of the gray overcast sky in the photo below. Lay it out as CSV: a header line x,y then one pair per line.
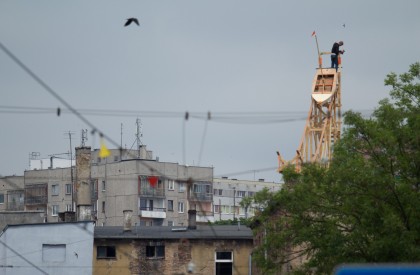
x,y
196,56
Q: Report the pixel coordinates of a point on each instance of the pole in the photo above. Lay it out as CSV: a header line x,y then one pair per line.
x,y
320,62
234,203
71,174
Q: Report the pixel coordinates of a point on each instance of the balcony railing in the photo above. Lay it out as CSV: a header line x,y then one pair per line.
x,y
204,216
158,209
13,206
201,196
152,212
36,200
152,192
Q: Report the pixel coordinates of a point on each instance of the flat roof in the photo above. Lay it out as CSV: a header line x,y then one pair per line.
x,y
203,232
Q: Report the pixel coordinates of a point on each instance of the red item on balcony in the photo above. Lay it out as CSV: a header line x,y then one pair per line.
x,y
153,181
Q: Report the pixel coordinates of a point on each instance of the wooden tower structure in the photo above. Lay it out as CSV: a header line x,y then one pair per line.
x,y
323,124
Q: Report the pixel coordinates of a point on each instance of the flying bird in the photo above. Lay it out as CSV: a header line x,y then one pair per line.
x,y
131,20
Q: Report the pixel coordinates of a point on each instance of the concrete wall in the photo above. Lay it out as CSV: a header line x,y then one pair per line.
x,y
121,192
20,217
23,250
60,177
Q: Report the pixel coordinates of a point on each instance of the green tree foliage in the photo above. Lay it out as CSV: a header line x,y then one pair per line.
x,y
366,206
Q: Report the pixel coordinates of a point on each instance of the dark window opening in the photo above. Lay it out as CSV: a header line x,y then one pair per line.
x,y
105,252
223,268
155,251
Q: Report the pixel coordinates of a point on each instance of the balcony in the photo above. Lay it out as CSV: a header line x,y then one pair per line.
x,y
152,212
13,206
204,217
36,194
201,197
152,192
35,200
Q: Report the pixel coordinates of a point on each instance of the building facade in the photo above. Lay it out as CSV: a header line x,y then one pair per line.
x,y
12,193
158,193
228,194
47,248
219,250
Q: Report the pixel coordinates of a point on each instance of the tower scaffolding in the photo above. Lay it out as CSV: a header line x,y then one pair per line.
x,y
323,124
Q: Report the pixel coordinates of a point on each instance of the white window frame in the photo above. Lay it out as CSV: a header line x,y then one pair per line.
x,y
55,189
223,261
240,194
181,187
55,209
217,208
68,190
181,207
171,185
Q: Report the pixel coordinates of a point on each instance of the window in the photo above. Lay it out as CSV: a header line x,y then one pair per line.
x,y
218,192
68,207
103,207
251,194
170,223
240,194
68,189
155,250
216,208
181,187
224,263
105,252
115,158
171,185
225,209
180,207
53,253
55,209
1,198
103,185
170,205
55,189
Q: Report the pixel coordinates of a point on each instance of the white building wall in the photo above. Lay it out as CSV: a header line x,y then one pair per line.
x,y
50,248
226,206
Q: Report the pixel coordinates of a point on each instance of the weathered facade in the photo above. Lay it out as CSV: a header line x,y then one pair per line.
x,y
172,250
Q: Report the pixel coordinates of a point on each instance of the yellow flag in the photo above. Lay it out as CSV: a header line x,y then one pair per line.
x,y
104,152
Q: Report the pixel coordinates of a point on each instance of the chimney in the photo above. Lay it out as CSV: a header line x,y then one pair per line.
x,y
127,220
192,223
83,195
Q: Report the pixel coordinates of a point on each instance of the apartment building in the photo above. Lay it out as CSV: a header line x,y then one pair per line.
x,y
158,193
228,194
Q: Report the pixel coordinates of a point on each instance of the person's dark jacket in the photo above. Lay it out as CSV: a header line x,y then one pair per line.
x,y
336,49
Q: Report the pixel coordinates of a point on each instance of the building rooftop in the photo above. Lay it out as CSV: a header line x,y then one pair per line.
x,y
209,232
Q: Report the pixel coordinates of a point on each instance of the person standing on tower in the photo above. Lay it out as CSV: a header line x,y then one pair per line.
x,y
335,51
